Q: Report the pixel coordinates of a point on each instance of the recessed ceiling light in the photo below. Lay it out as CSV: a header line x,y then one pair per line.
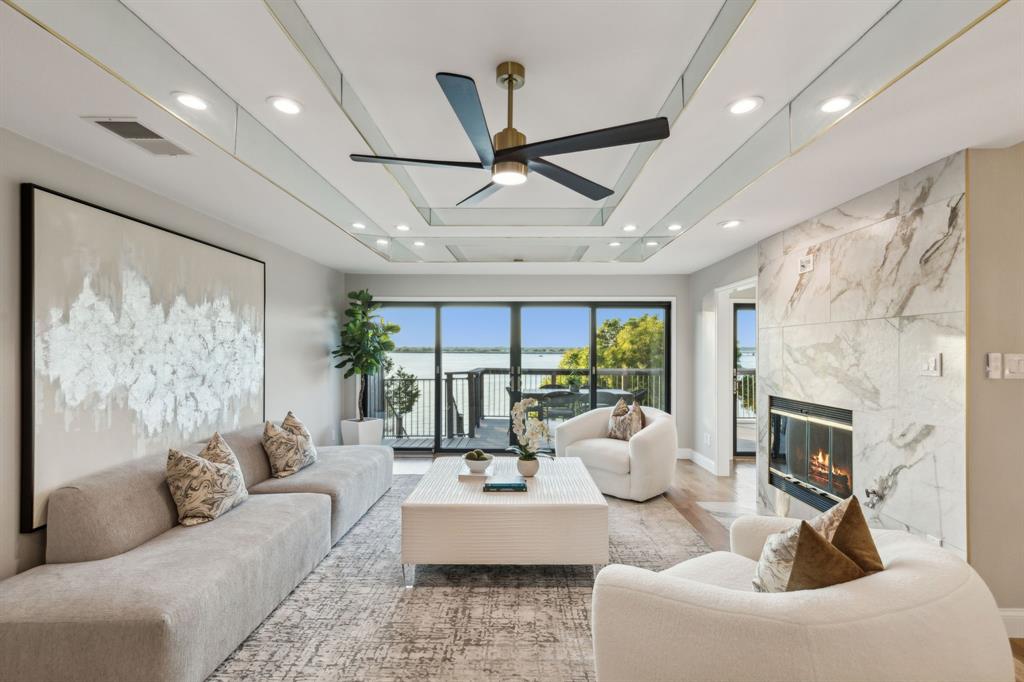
x,y
614,243
418,244
382,242
189,100
831,106
652,243
729,224
629,228
285,105
745,105
674,228
359,226
402,228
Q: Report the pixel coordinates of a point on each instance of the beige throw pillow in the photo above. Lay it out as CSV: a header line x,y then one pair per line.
x,y
802,559
206,485
625,421
289,447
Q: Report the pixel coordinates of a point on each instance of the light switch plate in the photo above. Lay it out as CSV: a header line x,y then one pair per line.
x,y
1013,365
930,364
806,263
994,365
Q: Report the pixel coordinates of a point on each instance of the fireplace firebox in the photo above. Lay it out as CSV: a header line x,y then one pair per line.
x,y
810,451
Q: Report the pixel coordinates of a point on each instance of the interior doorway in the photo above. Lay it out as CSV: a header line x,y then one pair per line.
x,y
744,379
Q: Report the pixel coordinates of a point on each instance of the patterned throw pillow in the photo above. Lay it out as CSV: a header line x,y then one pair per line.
x,y
802,559
846,528
206,485
289,447
625,421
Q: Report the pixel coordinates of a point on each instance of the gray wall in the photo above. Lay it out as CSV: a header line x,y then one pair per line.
x,y
595,288
303,304
703,330
995,323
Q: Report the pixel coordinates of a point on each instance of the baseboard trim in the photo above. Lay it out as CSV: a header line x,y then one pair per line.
x,y
1013,619
703,461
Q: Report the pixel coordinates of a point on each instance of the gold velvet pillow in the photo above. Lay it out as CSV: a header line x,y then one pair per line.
x,y
206,485
625,421
846,528
802,559
289,447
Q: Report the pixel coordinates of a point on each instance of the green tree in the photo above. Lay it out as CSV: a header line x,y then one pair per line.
x,y
401,391
637,343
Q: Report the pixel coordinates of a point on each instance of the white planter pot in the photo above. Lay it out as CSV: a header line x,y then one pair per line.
x,y
528,468
366,432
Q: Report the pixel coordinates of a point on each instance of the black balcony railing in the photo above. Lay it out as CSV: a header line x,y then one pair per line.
x,y
468,397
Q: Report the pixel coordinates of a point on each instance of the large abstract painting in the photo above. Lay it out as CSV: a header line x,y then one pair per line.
x,y
136,339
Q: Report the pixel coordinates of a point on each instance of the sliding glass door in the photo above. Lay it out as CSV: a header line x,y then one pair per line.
x,y
457,369
476,364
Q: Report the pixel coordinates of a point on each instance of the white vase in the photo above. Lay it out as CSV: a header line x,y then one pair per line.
x,y
477,466
366,432
528,467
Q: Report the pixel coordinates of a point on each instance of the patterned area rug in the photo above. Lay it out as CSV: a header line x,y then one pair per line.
x,y
353,619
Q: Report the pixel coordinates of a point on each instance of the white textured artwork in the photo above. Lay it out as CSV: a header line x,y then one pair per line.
x,y
181,367
142,339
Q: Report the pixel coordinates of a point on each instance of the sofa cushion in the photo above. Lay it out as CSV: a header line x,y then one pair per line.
x,y
607,454
845,527
110,511
800,558
723,569
625,421
289,447
247,444
354,476
170,609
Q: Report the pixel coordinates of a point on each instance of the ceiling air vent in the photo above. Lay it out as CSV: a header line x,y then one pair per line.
x,y
139,135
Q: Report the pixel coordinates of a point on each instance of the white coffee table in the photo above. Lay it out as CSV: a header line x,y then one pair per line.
x,y
561,519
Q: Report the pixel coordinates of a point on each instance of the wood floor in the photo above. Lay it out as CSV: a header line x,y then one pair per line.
x,y
1017,645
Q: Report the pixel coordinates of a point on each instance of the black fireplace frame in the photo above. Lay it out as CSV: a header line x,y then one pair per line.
x,y
806,492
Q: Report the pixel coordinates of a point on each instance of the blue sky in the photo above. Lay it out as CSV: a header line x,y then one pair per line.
x,y
746,328
543,326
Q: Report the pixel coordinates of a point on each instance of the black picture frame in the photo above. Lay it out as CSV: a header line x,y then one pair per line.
x,y
26,336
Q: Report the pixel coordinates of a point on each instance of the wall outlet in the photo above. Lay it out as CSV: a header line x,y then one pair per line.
x,y
1013,365
930,365
806,263
934,540
707,438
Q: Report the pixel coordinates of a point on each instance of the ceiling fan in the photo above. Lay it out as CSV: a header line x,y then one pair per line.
x,y
509,158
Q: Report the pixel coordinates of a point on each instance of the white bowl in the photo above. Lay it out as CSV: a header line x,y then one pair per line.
x,y
478,466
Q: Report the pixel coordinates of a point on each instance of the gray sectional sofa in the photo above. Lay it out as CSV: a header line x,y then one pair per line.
x,y
128,594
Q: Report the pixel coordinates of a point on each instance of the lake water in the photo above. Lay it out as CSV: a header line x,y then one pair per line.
x,y
422,364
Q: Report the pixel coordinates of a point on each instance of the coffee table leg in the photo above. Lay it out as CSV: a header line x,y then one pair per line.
x,y
597,569
409,573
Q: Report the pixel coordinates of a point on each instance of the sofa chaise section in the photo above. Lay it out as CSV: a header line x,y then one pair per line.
x,y
170,609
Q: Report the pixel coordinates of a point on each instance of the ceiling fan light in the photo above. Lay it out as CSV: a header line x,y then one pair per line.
x,y
509,173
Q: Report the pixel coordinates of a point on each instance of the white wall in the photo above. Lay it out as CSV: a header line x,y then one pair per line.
x,y
704,325
593,288
303,304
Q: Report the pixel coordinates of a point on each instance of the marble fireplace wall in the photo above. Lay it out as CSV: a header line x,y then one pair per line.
x,y
887,284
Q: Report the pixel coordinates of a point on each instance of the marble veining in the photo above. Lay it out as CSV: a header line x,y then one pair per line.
x,y
853,335
909,265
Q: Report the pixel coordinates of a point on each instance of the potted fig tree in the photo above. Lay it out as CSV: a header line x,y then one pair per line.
x,y
365,343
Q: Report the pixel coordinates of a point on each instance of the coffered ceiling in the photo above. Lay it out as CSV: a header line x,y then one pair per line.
x,y
589,65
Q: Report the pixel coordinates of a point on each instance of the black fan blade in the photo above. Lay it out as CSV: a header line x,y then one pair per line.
x,y
630,133
462,95
399,161
481,194
562,176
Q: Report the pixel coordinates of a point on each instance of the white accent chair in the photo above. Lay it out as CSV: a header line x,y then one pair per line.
x,y
927,616
637,469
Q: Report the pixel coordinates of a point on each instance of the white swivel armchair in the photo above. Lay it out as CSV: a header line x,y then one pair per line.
x,y
927,616
637,469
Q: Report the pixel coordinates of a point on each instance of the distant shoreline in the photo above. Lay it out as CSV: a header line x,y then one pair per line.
x,y
427,349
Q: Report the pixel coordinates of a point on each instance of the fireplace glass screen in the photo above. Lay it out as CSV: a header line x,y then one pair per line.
x,y
811,451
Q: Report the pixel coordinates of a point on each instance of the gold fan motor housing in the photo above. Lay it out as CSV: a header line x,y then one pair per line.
x,y
510,76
